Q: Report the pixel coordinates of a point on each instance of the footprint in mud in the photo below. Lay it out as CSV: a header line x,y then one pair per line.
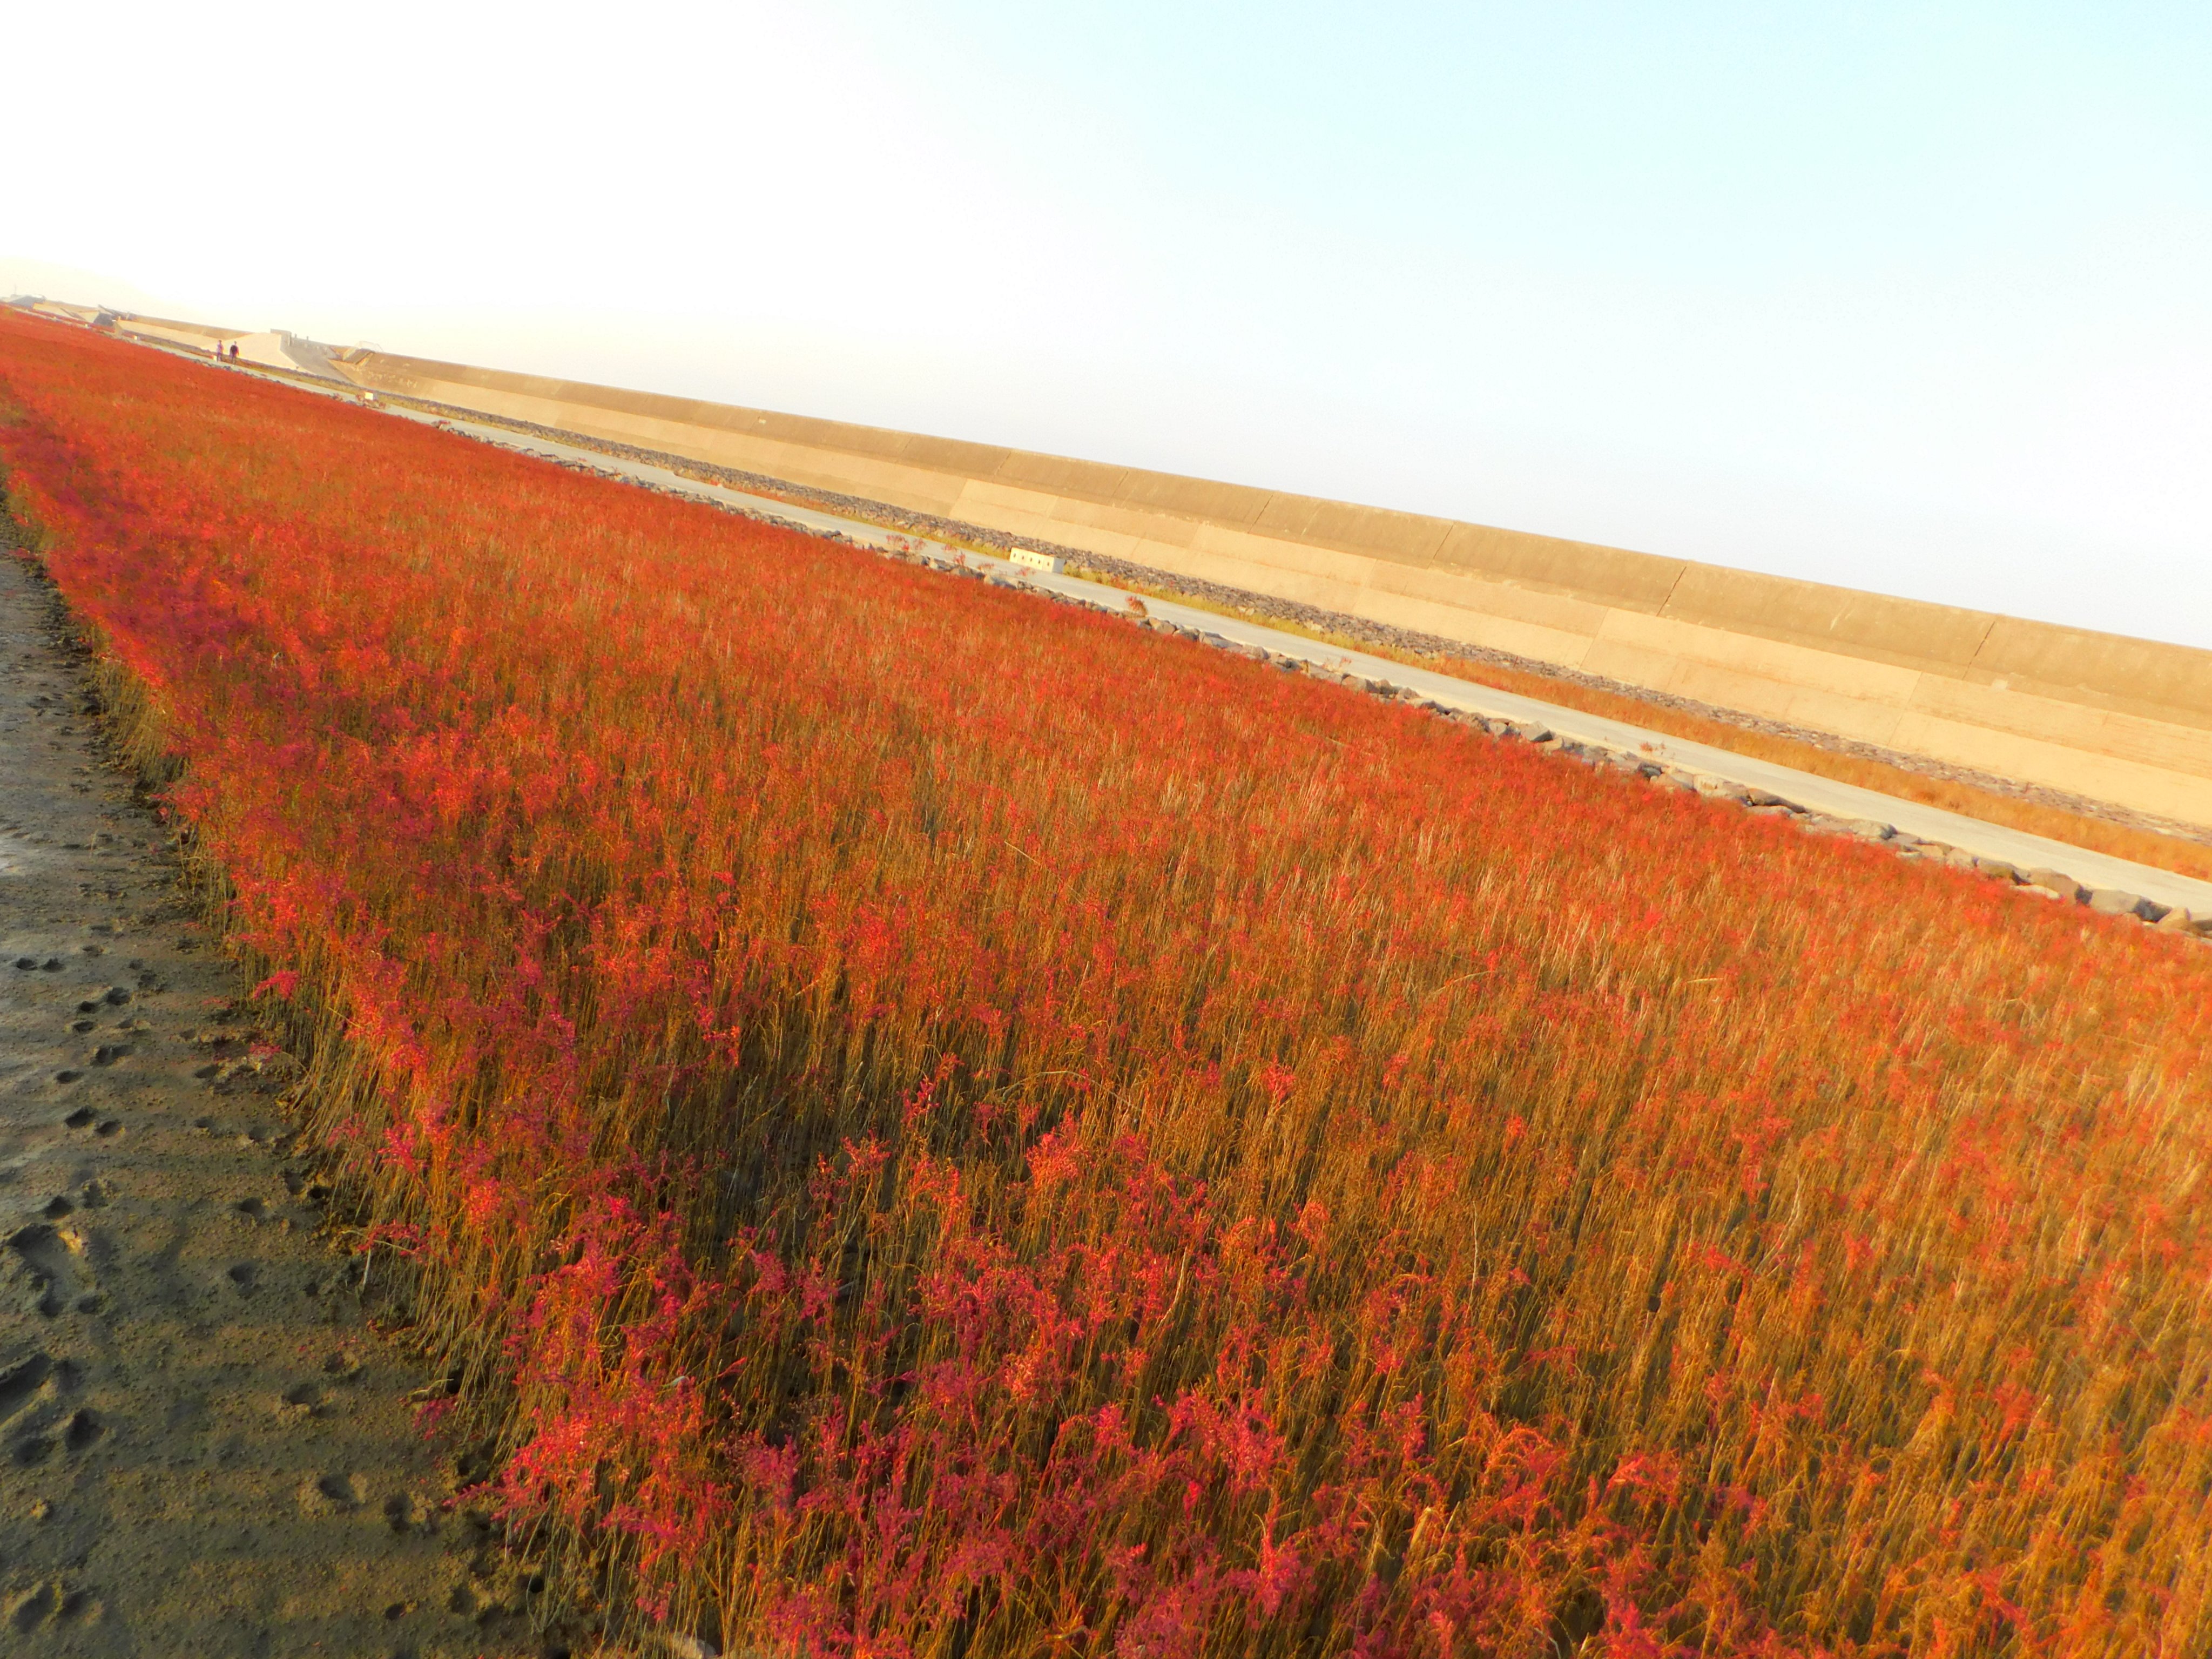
x,y
108,1053
302,1401
28,1451
46,1267
333,1494
403,1512
252,1208
463,1601
106,1128
28,1380
31,1393
245,1277
50,1603
26,1613
81,1433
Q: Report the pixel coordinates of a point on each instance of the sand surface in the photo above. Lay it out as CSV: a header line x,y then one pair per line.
x,y
205,1447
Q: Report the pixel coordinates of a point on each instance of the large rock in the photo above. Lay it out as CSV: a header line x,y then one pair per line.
x,y
2117,901
1822,823
2052,882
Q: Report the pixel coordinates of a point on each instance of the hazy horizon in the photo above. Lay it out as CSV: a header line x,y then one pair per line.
x,y
1918,301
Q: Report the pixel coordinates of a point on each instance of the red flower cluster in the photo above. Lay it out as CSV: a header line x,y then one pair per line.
x,y
950,1125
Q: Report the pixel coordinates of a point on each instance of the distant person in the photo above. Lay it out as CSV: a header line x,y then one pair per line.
x,y
233,353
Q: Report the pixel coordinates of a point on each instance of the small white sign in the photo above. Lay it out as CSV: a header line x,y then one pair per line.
x,y
1029,561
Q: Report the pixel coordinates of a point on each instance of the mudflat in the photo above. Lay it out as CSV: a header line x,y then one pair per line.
x,y
206,1448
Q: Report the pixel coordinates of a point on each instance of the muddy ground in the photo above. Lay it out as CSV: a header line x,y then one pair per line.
x,y
206,1446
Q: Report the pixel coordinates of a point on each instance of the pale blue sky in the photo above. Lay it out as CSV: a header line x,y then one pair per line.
x,y
1915,298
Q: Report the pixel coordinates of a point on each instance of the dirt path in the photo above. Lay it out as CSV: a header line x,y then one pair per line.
x,y
204,1450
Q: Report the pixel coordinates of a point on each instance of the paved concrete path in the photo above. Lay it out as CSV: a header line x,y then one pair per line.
x,y
1820,794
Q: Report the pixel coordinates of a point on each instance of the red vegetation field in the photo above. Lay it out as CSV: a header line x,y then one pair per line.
x,y
940,1124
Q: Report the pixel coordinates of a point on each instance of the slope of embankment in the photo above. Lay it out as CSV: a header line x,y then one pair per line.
x,y
2098,716
926,1119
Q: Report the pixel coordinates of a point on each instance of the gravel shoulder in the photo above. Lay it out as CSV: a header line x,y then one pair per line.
x,y
206,1447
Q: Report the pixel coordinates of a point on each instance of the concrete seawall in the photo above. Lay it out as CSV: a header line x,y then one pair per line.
x,y
166,331
2119,720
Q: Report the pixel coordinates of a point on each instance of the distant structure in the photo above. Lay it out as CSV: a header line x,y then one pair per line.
x,y
266,348
90,316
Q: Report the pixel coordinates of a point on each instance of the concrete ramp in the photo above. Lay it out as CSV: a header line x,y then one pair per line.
x,y
277,348
310,357
90,316
265,349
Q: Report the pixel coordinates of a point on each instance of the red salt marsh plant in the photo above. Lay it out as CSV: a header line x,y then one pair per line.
x,y
938,1124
